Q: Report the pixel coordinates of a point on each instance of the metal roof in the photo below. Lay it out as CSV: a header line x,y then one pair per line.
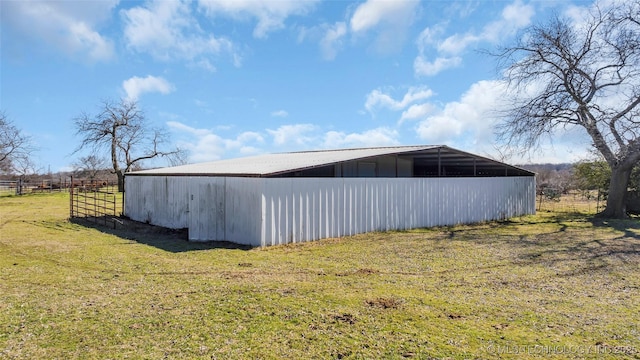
x,y
278,163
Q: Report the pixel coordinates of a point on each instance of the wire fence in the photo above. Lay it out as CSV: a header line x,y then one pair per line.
x,y
97,201
9,187
30,186
574,201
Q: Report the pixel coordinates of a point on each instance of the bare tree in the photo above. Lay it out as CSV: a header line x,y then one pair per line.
x,y
15,147
580,74
121,129
26,170
90,166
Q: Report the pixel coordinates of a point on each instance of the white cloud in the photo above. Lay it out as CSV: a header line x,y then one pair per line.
x,y
390,20
577,13
332,40
514,16
469,124
378,99
374,12
280,113
270,15
168,31
299,135
136,86
205,145
208,145
330,37
440,129
472,114
97,47
382,136
455,44
67,26
430,36
416,111
308,136
517,15
423,67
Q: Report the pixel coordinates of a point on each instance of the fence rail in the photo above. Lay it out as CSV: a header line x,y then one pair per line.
x,y
30,186
8,187
95,200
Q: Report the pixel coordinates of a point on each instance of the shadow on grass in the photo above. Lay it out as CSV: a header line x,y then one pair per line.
x,y
590,249
574,243
627,226
170,240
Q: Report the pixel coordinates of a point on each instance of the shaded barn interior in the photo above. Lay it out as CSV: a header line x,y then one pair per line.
x,y
435,162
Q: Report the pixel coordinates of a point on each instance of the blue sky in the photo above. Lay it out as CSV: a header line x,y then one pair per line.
x,y
236,78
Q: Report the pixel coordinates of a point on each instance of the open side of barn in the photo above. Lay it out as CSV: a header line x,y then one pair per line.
x,y
312,195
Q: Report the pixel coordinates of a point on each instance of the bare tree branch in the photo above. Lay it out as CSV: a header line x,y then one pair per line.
x,y
588,75
121,129
16,148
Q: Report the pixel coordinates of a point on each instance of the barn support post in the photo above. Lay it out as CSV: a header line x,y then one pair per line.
x,y
439,163
396,158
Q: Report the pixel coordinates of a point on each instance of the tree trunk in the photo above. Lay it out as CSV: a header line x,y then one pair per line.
x,y
120,175
616,207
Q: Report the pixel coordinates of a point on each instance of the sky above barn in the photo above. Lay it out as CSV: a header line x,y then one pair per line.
x,y
236,78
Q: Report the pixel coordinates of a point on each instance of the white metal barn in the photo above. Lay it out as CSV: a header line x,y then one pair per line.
x,y
303,196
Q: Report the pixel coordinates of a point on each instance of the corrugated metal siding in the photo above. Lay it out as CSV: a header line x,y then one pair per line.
x,y
243,204
207,215
296,210
213,208
263,211
158,200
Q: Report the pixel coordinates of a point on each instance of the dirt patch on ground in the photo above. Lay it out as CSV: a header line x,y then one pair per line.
x,y
385,302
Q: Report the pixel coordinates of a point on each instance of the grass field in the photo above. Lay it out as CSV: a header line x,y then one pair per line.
x,y
555,285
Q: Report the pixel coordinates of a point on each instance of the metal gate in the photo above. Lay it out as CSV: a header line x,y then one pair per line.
x,y
96,200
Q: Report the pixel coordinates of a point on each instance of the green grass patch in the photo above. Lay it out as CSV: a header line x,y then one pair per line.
x,y
554,285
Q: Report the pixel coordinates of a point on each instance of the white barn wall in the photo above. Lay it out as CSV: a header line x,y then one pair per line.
x,y
243,209
158,200
207,213
297,209
212,208
270,211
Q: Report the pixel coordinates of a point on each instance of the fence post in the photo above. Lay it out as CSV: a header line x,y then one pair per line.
x,y
94,194
71,198
122,212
